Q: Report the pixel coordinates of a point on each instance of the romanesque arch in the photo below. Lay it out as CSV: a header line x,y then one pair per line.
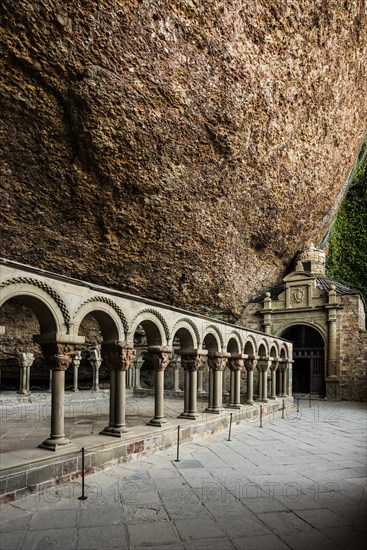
x,y
154,325
50,310
109,316
234,343
212,339
188,334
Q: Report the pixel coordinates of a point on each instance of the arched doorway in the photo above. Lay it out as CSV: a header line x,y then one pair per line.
x,y
309,359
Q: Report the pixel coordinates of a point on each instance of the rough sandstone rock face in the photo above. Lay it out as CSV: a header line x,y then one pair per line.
x,y
179,150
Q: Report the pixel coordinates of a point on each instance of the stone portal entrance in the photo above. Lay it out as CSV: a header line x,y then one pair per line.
x,y
309,359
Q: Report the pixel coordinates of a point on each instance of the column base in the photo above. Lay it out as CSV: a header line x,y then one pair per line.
x,y
24,392
250,402
192,416
183,415
214,411
262,400
96,389
114,432
234,406
157,422
53,444
75,391
271,397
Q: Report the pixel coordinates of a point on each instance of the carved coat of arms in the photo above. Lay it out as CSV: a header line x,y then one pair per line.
x,y
298,295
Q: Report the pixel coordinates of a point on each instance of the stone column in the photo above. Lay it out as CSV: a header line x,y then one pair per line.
x,y
190,364
95,360
25,361
160,356
266,311
262,366
217,362
273,369
50,382
200,379
76,364
137,366
118,356
176,374
235,365
58,357
332,389
250,365
283,376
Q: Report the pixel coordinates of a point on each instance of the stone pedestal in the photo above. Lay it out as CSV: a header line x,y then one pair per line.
x,y
160,357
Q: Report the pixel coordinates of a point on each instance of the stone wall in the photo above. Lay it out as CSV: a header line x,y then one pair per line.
x,y
353,351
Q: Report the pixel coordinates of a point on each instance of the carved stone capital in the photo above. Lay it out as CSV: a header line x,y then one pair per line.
x,y
250,364
160,356
25,359
58,356
263,364
118,355
283,365
191,362
274,365
235,364
217,362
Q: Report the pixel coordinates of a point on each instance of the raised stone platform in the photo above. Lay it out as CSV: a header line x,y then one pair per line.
x,y
24,467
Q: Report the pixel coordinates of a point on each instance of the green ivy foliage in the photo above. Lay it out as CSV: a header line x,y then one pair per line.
x,y
347,258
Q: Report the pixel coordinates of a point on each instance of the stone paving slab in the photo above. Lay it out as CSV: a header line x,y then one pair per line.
x,y
24,467
154,502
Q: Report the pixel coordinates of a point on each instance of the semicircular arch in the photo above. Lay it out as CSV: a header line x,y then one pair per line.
x,y
190,326
49,308
154,324
109,316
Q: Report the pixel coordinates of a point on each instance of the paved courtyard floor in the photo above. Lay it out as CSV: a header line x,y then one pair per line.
x,y
298,482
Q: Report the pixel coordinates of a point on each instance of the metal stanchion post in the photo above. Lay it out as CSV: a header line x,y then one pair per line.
x,y
230,428
178,445
261,416
310,405
83,497
283,408
298,404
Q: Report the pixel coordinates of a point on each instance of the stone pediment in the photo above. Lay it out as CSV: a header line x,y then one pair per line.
x,y
297,277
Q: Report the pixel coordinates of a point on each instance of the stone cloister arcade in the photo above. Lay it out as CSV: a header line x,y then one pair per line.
x,y
60,305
